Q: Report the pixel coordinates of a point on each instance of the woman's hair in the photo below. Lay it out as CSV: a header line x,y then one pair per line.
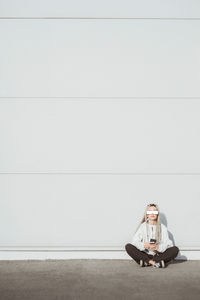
x,y
158,225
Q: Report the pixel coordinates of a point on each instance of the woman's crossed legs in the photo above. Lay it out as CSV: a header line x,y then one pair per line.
x,y
137,255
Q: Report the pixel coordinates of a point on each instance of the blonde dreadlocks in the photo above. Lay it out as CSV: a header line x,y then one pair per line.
x,y
146,220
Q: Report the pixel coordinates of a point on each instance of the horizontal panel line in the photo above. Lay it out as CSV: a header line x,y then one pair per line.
x,y
99,18
95,173
28,97
67,249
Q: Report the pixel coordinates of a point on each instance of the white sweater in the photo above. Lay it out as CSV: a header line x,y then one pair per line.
x,y
140,237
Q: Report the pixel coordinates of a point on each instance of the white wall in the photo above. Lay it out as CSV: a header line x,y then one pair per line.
x,y
99,115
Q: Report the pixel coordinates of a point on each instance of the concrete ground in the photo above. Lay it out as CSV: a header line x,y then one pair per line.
x,y
95,279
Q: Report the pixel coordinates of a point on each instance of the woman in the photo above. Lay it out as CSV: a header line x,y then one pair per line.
x,y
151,245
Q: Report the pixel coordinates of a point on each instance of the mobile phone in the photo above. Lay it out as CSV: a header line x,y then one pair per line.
x,y
152,241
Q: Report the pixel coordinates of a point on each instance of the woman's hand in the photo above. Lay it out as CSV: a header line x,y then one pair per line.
x,y
147,245
151,246
154,246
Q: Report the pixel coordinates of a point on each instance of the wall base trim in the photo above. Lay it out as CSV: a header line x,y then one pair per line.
x,y
32,253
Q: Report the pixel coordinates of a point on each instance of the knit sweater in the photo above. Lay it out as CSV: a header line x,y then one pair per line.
x,y
140,237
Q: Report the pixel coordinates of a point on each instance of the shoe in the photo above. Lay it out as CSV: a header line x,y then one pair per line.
x,y
144,263
141,263
157,265
162,264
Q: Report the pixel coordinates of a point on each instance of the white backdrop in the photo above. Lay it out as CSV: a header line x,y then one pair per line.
x,y
99,115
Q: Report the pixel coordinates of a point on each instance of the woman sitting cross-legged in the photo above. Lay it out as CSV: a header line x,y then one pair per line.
x,y
151,245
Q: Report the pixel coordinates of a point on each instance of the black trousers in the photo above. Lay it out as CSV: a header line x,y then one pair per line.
x,y
136,254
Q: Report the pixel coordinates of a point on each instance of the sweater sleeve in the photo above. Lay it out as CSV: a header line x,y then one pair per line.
x,y
138,240
165,241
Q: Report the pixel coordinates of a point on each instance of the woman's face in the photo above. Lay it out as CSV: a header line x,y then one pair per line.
x,y
152,217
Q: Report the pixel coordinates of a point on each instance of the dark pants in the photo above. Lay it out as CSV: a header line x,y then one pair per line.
x,y
136,254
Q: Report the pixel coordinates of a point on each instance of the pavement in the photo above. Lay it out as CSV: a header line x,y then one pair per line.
x,y
97,279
